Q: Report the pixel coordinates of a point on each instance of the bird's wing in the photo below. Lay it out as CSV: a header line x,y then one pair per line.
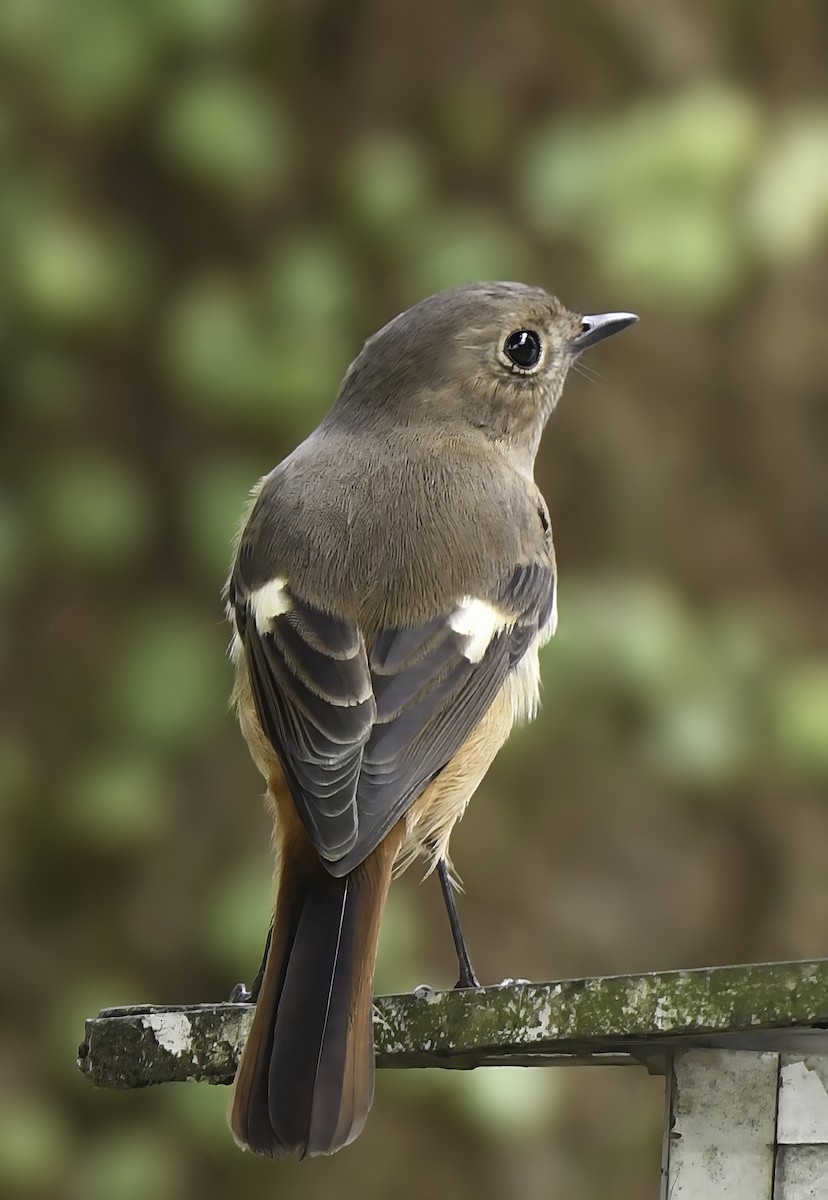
x,y
360,731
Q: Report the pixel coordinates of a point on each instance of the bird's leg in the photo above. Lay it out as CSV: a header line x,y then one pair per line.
x,y
467,979
240,994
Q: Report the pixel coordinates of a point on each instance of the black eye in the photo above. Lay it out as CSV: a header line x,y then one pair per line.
x,y
523,348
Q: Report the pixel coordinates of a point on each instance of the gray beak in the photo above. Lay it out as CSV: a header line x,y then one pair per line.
x,y
603,325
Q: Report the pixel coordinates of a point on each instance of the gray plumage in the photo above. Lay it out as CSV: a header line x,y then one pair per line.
x,y
391,586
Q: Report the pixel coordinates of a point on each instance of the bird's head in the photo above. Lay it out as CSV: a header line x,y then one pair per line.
x,y
491,355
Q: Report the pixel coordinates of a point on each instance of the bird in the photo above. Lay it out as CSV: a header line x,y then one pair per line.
x,y
392,582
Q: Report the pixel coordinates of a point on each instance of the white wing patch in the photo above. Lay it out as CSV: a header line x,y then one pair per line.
x,y
268,602
479,622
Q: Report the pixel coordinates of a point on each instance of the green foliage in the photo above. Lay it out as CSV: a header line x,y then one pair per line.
x,y
385,182
460,247
96,510
652,192
698,688
801,716
234,356
16,773
170,683
91,56
71,273
119,801
310,280
205,22
34,1145
788,208
236,921
130,1165
13,550
677,198
213,497
225,131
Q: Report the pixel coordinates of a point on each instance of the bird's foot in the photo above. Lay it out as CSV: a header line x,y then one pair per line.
x,y
467,979
240,995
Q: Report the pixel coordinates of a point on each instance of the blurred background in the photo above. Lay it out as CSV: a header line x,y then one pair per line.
x,y
205,207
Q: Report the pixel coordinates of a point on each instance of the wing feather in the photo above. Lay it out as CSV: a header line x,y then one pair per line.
x,y
360,731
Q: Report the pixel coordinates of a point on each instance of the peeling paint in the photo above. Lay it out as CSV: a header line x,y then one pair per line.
x,y
172,1030
803,1104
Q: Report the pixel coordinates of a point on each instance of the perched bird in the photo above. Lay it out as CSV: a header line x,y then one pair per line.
x,y
392,583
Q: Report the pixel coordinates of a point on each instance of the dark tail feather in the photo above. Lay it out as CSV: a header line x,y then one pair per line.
x,y
306,1078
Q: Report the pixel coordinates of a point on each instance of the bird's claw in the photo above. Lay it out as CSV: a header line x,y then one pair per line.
x,y
467,979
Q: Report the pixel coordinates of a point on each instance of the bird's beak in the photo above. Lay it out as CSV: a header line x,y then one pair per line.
x,y
595,329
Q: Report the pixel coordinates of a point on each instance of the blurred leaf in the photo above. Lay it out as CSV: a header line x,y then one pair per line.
x,y
386,181
205,22
16,772
788,207
510,1104
703,738
214,350
701,141
238,916
93,56
474,119
214,496
48,384
224,130
96,509
676,252
234,360
504,1104
462,247
653,193
742,646
203,1112
400,954
130,1164
14,548
118,801
72,273
560,172
310,279
7,127
34,1145
172,683
633,632
307,371
800,710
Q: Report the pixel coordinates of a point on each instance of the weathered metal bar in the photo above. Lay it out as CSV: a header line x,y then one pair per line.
x,y
616,1019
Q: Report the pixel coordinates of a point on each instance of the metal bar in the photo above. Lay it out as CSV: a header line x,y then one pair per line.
x,y
624,1019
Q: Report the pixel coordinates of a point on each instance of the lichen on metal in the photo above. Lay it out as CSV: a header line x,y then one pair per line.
x,y
515,1022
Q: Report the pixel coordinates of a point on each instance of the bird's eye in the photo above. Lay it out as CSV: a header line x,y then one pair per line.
x,y
523,348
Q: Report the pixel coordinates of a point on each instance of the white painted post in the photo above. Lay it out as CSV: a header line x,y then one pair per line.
x,y
746,1125
720,1129
802,1129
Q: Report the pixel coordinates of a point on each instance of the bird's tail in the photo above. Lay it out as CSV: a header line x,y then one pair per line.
x,y
306,1077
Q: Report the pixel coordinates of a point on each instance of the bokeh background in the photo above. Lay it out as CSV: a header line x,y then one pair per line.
x,y
205,206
